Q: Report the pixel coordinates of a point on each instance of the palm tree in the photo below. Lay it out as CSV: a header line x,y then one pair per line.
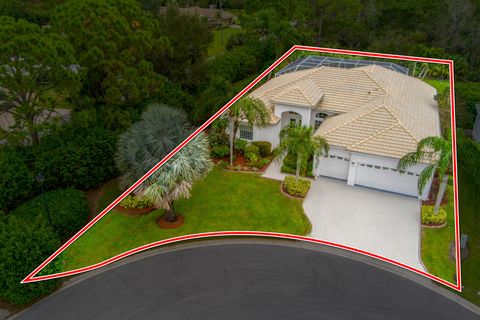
x,y
437,152
149,140
299,140
175,178
248,109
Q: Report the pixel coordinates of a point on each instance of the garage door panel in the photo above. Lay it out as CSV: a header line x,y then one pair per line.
x,y
388,179
334,166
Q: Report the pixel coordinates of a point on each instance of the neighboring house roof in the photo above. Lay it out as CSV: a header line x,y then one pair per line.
x,y
203,12
380,111
7,120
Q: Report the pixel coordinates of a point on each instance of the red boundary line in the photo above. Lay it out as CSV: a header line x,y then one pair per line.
x,y
32,278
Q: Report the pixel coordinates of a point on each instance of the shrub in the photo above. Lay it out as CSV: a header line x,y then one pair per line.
x,y
296,188
289,165
25,244
76,157
240,145
222,164
430,218
262,162
252,154
219,151
16,180
68,210
135,202
264,147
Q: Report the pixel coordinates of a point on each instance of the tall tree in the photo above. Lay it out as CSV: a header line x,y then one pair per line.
x,y
149,140
37,71
175,178
300,141
251,110
189,37
437,152
114,40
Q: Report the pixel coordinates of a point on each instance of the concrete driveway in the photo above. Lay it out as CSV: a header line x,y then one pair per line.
x,y
379,222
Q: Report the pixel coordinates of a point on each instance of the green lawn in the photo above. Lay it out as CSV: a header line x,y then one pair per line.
x,y
221,201
469,202
440,85
216,47
436,244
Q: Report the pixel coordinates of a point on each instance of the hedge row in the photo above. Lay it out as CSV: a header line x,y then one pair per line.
x,y
70,157
28,239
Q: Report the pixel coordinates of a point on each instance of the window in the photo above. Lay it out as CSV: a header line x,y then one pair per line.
x,y
246,132
319,118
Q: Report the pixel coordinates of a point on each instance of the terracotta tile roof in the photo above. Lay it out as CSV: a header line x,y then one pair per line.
x,y
379,111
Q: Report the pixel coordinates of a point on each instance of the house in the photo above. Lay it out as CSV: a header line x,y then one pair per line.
x,y
370,115
216,18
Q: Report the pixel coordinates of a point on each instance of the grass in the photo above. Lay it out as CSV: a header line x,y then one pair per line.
x,y
221,201
216,47
436,244
440,85
469,203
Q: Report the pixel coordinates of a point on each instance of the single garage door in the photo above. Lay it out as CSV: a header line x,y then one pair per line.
x,y
334,166
388,179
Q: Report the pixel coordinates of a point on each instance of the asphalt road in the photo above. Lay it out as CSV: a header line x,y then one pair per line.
x,y
246,282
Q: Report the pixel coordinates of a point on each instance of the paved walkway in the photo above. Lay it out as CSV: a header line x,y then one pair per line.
x,y
273,170
379,222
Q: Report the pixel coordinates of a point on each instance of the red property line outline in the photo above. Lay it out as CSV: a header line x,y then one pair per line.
x,y
32,278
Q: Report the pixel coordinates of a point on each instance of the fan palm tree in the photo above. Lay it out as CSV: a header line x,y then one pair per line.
x,y
437,152
248,109
299,140
175,178
149,140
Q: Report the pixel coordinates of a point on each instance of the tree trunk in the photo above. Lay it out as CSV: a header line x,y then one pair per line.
x,y
318,35
441,193
171,215
299,166
35,138
232,138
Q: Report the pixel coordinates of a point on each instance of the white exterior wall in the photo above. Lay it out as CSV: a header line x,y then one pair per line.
x,y
357,173
268,133
305,113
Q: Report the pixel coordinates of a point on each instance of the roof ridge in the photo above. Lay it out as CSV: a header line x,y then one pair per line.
x,y
399,120
373,135
356,118
374,81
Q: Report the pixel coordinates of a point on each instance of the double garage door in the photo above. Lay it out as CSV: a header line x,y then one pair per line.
x,y
386,178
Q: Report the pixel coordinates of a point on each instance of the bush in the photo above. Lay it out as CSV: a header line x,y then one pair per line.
x,y
76,157
25,244
289,165
430,218
222,164
68,210
264,147
240,145
296,188
219,151
252,154
135,202
16,180
262,162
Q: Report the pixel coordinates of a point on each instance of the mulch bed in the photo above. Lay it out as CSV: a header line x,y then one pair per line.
x,y
434,226
432,196
164,224
242,162
134,212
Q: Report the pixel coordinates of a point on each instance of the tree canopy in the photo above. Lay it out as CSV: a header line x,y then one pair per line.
x,y
37,71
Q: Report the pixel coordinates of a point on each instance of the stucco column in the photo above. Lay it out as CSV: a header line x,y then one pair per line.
x,y
352,172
